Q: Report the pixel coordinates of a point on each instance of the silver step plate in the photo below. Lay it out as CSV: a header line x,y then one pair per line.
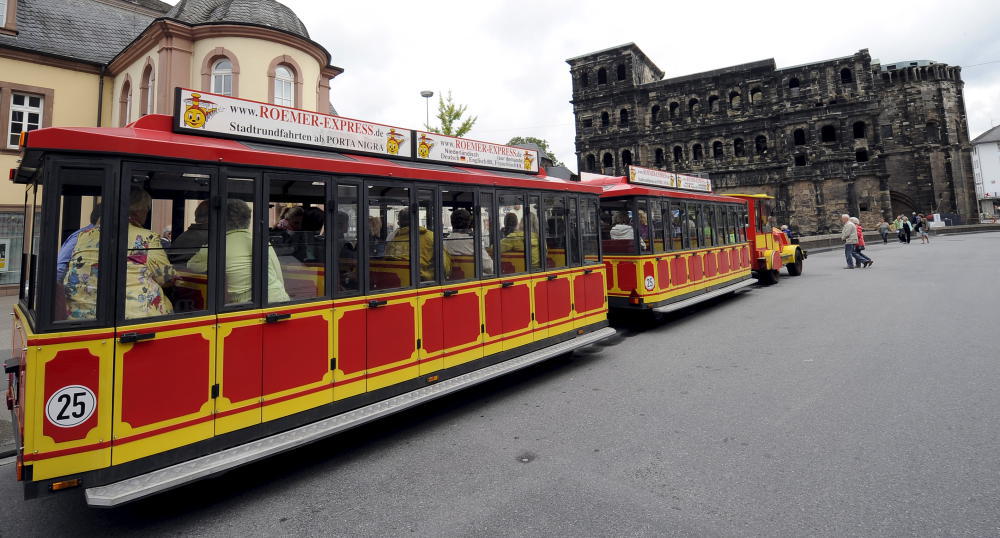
x,y
704,297
189,471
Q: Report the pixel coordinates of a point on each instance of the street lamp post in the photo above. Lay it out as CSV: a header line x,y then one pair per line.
x,y
427,94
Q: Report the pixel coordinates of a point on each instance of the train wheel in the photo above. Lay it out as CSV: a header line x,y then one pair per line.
x,y
768,277
795,268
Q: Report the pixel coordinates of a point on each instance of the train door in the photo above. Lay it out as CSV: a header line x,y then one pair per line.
x,y
166,336
589,287
350,309
554,293
513,325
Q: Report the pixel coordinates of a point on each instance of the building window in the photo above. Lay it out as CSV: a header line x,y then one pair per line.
x,y
799,137
222,77
735,100
846,76
760,144
623,117
793,84
932,132
585,79
887,131
626,158
588,123
605,119
738,149
621,71
284,86
756,96
25,115
147,92
861,155
608,161
713,103
658,157
3,12
654,114
674,109
678,154
860,129
696,152
694,107
717,152
800,160
125,104
602,76
591,163
818,193
828,133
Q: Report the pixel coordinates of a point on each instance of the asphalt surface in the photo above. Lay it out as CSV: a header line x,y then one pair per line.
x,y
838,403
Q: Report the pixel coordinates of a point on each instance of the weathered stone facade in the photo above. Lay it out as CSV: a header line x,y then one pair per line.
x,y
842,135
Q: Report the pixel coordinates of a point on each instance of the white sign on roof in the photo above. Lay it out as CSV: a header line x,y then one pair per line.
x,y
199,112
661,178
460,151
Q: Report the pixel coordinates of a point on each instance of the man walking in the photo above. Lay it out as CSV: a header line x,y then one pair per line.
x,y
849,235
907,229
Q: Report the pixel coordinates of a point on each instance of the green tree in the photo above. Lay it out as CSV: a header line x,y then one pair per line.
x,y
450,114
541,143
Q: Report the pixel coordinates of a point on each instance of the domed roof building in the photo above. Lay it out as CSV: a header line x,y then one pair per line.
x,y
259,12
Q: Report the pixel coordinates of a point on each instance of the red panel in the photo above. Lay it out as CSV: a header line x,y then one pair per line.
x,y
350,347
626,276
391,334
559,298
516,308
461,317
542,302
648,270
609,272
431,332
745,256
580,292
723,258
595,292
295,353
494,312
734,259
711,268
694,267
242,363
663,270
678,271
72,367
164,379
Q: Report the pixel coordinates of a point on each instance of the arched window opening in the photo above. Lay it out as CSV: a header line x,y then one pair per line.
x,y
860,129
800,160
694,107
678,154
696,152
147,91
756,96
658,157
738,149
717,152
621,71
591,162
793,86
125,104
608,160
799,137
713,103
846,76
605,119
760,144
284,86
861,155
933,133
626,158
674,109
654,114
602,76
735,101
222,77
584,79
828,133
623,117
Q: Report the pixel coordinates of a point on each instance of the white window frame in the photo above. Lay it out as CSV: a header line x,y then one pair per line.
x,y
3,13
284,86
26,109
223,75
151,92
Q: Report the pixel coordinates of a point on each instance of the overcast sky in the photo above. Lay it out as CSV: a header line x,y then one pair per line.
x,y
506,60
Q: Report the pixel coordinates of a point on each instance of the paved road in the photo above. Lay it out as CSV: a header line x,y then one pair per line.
x,y
877,413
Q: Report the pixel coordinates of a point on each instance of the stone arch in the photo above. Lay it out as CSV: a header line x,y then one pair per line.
x,y
602,76
591,162
147,88
902,203
289,62
213,56
608,160
125,101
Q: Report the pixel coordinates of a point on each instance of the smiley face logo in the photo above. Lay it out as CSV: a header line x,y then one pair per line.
x,y
528,159
424,147
194,117
198,111
392,142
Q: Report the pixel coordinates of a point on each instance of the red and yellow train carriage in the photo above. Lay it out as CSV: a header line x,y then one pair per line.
x,y
770,247
389,282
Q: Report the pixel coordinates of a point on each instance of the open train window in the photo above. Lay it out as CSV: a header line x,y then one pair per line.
x,y
590,230
618,234
388,227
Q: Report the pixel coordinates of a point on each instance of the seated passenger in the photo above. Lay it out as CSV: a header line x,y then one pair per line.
x,y
147,270
192,239
66,250
622,228
399,247
460,241
239,259
309,240
514,242
509,224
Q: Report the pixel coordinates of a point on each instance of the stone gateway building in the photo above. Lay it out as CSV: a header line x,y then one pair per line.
x,y
846,135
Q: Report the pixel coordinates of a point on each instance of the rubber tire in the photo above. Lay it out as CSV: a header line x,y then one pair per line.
x,y
795,268
768,277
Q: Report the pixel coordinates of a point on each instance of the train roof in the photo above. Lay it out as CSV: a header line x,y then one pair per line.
x,y
617,186
153,136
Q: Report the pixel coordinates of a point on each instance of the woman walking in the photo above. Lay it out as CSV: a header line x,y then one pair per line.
x,y
883,229
863,261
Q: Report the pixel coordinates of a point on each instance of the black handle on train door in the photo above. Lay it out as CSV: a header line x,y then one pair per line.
x,y
588,271
506,284
276,317
375,304
449,293
131,338
552,277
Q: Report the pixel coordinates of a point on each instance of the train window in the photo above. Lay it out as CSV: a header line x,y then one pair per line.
x,y
573,232
389,252
512,237
428,237
296,231
657,210
531,227
346,240
590,231
30,250
721,237
617,231
242,259
642,223
486,220
708,224
457,210
675,224
743,224
693,226
79,234
556,250
153,286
